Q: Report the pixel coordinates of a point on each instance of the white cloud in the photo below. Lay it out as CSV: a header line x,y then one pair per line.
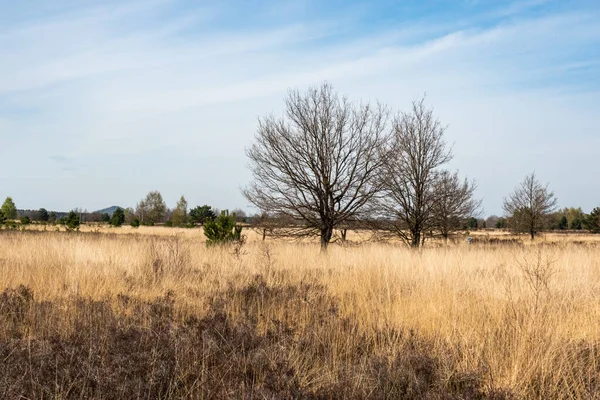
x,y
117,97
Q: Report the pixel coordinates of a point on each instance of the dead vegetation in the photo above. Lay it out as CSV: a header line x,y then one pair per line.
x,y
91,316
135,349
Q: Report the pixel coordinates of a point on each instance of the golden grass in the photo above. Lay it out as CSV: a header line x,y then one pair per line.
x,y
519,314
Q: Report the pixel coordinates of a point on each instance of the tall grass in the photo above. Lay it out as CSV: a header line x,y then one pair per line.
x,y
369,321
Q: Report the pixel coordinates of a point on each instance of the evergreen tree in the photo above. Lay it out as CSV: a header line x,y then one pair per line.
x,y
72,221
563,223
472,223
43,215
118,217
592,220
201,214
223,229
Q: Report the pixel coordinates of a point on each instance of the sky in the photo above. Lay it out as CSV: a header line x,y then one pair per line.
x,y
104,101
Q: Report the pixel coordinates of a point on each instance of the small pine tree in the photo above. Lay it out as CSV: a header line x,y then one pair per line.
x,y
118,217
25,220
222,229
72,221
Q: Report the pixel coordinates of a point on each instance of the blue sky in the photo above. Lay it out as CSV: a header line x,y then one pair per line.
x,y
103,101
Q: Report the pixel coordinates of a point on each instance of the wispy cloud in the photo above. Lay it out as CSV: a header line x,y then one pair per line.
x,y
118,85
516,8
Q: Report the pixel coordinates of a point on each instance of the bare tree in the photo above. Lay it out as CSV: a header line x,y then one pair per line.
x,y
262,223
240,215
269,224
453,202
410,174
317,165
529,205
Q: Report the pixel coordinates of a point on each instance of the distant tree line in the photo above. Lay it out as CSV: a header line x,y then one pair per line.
x,y
151,210
270,225
566,219
328,165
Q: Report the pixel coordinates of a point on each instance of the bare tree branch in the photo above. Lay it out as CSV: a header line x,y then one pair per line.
x,y
319,163
454,202
409,174
528,206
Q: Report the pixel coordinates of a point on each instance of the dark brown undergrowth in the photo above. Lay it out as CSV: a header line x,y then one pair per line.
x,y
497,241
257,342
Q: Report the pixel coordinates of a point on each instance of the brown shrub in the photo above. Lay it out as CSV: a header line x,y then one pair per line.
x,y
132,349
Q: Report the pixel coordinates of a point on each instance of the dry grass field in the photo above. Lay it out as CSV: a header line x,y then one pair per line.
x,y
157,314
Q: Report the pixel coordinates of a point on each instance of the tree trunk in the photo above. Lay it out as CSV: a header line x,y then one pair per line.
x,y
326,234
532,232
416,240
425,237
264,235
344,231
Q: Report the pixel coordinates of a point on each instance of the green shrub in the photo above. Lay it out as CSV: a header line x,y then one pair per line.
x,y
25,221
135,222
222,229
11,225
